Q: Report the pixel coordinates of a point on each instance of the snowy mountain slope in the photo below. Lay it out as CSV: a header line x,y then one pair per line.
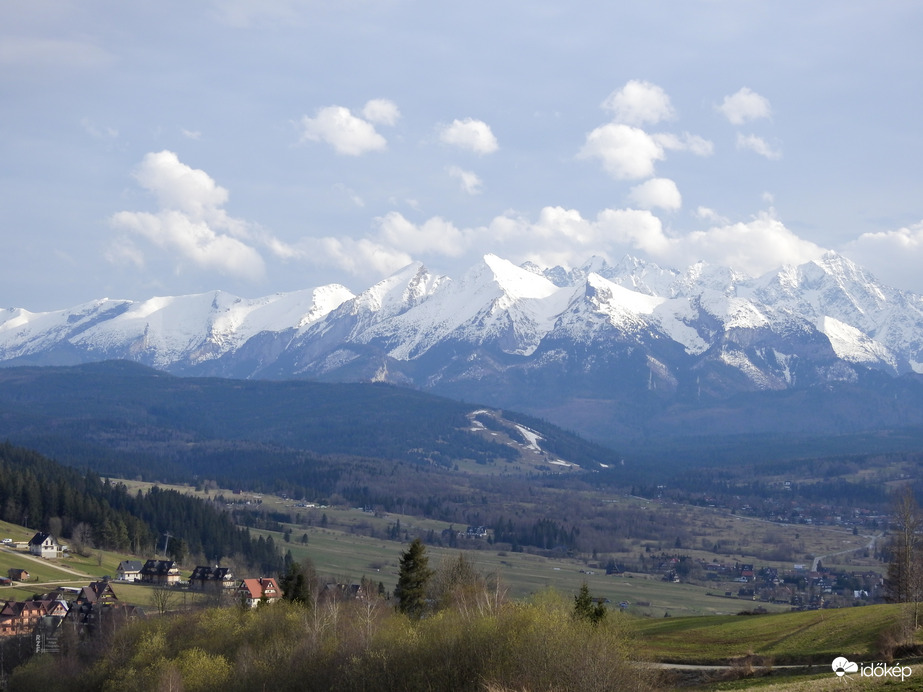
x,y
495,301
163,332
502,330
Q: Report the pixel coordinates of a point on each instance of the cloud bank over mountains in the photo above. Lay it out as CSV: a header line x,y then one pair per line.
x,y
258,147
191,224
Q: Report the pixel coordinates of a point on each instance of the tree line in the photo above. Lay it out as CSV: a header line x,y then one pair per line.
x,y
448,628
93,512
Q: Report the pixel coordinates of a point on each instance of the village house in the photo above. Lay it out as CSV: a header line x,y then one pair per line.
x,y
96,592
160,572
21,617
97,604
211,578
129,570
18,574
252,592
45,545
339,592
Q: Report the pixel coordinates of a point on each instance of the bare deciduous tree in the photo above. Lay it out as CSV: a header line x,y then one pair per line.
x,y
904,580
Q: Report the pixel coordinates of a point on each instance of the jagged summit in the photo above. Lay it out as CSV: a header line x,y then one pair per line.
x,y
500,330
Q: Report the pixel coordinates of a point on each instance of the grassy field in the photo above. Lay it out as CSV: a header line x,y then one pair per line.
x,y
788,638
343,551
349,557
821,682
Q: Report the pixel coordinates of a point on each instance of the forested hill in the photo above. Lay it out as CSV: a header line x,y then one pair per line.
x,y
88,511
126,420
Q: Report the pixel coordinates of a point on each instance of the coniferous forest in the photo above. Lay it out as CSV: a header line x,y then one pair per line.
x,y
86,509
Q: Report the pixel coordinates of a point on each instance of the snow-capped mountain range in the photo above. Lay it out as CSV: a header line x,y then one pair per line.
x,y
506,334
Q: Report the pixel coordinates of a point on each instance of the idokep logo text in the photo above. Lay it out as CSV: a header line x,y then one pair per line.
x,y
843,666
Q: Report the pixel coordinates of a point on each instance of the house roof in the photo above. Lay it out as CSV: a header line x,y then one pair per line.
x,y
256,588
129,566
41,537
205,573
160,567
96,591
44,607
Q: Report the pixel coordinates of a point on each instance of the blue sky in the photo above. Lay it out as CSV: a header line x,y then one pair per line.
x,y
161,148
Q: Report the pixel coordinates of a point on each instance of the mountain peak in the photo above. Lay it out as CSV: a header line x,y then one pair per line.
x,y
403,289
517,282
500,322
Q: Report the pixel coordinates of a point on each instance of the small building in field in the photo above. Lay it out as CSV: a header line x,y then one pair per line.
x,y
18,574
45,545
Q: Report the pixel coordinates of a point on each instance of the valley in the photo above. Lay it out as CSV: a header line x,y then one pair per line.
x,y
341,478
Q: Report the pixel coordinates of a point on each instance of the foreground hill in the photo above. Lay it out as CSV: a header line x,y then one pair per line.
x,y
125,419
632,351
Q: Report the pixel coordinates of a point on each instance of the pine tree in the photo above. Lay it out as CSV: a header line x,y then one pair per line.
x,y
299,582
412,580
584,608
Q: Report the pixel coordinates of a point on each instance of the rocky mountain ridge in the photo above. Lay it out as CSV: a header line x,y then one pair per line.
x,y
538,339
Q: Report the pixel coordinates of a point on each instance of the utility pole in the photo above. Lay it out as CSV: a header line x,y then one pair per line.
x,y
166,541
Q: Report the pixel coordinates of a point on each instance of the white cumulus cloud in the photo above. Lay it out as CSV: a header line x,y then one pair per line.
x,y
685,142
627,153
469,181
709,214
178,186
361,257
470,134
345,132
757,145
895,255
638,103
656,192
744,106
434,236
754,247
191,222
381,111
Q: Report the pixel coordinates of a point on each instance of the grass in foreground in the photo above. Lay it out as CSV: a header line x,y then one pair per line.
x,y
787,638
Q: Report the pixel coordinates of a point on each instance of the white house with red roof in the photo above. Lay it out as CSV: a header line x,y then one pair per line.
x,y
252,592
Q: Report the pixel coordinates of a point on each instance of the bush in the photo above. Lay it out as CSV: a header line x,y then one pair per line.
x,y
360,645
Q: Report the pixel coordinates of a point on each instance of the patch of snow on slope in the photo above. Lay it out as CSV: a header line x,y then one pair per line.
x,y
675,317
853,346
23,332
532,437
738,359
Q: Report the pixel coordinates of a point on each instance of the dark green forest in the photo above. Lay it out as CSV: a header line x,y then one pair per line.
x,y
125,420
90,511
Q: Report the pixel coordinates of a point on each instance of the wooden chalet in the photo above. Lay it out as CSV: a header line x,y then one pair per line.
x,y
21,617
160,572
212,578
